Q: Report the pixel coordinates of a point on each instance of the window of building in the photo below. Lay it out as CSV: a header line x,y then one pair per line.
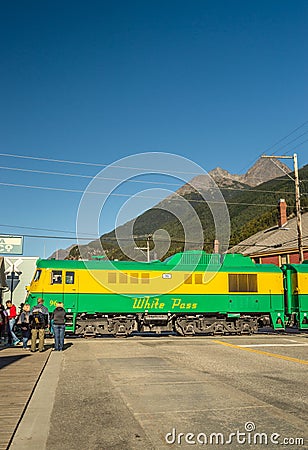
x,y
112,277
242,282
69,277
56,277
145,278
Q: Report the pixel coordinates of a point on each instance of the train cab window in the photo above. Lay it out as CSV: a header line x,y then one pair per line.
x,y
145,278
37,275
198,278
56,277
112,277
69,277
242,282
123,278
134,278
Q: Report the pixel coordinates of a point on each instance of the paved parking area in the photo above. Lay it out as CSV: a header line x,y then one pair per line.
x,y
171,392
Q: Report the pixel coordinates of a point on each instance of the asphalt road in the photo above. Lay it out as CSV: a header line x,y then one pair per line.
x,y
172,392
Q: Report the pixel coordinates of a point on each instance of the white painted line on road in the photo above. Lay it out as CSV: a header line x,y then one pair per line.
x,y
182,411
273,345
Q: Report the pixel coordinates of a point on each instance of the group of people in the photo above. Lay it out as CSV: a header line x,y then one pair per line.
x,y
32,323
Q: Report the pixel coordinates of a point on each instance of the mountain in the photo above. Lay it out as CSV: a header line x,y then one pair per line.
x,y
251,209
61,253
263,170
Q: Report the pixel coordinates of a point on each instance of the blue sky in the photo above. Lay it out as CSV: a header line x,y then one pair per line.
x,y
217,82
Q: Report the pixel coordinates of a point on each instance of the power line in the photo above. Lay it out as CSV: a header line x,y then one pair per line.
x,y
293,140
65,174
44,172
137,238
285,137
65,161
273,145
301,143
41,229
135,195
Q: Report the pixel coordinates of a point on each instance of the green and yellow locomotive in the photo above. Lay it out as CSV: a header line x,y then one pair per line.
x,y
189,293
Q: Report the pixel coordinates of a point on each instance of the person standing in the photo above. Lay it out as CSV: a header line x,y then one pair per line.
x,y
39,321
11,310
3,324
59,318
24,323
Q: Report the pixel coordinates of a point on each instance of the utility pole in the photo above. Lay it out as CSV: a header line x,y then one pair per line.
x,y
147,248
12,283
297,203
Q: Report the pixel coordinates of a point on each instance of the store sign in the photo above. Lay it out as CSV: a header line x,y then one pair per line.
x,y
11,245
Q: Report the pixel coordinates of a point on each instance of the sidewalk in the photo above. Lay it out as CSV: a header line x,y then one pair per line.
x,y
19,374
75,405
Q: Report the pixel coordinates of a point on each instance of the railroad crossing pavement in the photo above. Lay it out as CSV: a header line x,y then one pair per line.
x,y
169,392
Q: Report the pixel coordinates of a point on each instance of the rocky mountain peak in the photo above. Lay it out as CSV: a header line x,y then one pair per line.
x,y
263,170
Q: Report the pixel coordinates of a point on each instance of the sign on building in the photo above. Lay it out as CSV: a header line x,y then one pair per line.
x,y
11,245
19,272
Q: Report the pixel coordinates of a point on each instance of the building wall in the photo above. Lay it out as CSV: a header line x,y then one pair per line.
x,y
270,259
279,258
24,268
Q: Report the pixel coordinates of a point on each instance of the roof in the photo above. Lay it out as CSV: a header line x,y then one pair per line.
x,y
3,284
190,260
300,268
274,240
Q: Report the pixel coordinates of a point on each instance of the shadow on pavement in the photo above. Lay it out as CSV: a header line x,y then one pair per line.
x,y
6,360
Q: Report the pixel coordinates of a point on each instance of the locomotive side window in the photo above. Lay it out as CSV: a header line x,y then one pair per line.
x,y
56,277
187,279
69,277
252,283
242,282
112,277
134,278
123,278
145,278
198,278
37,275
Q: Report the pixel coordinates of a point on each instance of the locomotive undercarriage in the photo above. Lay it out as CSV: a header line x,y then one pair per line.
x,y
191,325
184,325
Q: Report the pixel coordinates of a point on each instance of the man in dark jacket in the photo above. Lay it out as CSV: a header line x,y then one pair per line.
x,y
59,317
39,320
